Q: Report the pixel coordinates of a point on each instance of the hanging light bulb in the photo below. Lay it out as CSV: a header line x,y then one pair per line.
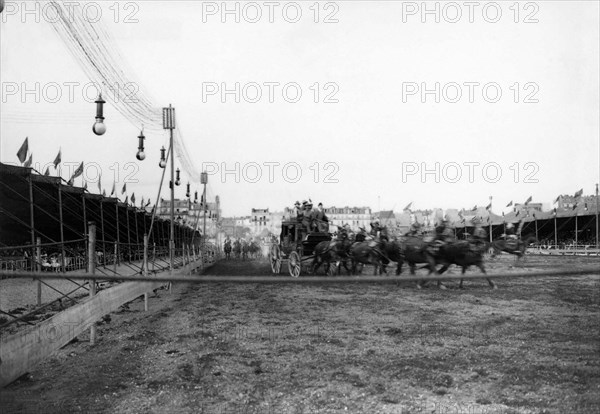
x,y
177,178
187,194
196,197
99,128
141,155
163,161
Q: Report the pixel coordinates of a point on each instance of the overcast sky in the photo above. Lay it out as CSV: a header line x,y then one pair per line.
x,y
371,132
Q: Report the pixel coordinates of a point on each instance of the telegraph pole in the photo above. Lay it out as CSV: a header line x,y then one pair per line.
x,y
203,181
169,123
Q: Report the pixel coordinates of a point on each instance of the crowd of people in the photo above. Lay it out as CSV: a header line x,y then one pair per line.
x,y
313,220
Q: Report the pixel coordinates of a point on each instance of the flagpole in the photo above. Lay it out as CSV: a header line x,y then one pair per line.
x,y
597,242
490,218
555,233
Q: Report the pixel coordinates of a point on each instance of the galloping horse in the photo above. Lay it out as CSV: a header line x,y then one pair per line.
x,y
516,247
332,251
463,253
237,249
415,249
371,252
227,249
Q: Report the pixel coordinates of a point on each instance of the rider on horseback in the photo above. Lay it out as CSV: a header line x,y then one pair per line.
x,y
415,229
479,238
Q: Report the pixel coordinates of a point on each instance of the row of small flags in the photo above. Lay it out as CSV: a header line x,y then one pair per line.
x,y
27,162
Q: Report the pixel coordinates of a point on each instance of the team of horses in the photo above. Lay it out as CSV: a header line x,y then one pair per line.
x,y
241,249
414,250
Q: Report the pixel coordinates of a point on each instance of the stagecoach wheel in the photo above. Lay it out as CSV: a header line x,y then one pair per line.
x,y
294,264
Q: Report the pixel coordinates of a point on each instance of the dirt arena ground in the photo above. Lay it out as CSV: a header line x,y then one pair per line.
x,y
532,346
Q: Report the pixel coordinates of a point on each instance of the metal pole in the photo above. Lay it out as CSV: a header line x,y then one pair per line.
x,y
146,270
172,237
117,261
597,241
137,235
62,236
490,218
92,271
576,236
84,218
103,234
31,220
204,217
128,233
39,269
555,233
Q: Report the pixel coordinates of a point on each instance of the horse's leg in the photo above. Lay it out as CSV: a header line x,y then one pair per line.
x,y
464,269
491,283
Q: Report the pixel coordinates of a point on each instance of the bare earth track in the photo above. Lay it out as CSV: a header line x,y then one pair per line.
x,y
532,346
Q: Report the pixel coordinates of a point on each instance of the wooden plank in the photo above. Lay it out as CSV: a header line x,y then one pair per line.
x,y
180,277
19,353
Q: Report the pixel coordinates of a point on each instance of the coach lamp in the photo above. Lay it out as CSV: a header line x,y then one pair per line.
x,y
141,155
177,177
163,161
99,128
187,193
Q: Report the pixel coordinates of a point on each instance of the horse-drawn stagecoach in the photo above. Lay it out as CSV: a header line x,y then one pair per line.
x,y
296,246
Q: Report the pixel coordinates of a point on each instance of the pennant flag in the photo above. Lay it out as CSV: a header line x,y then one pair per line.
x,y
126,199
488,206
142,202
77,172
574,206
70,182
58,159
104,193
100,183
557,200
22,153
47,171
407,208
509,204
579,193
124,189
29,161
148,203
528,200
84,184
133,199
113,190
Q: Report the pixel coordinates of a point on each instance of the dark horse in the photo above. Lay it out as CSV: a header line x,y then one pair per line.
x,y
415,250
227,249
371,252
516,247
335,251
463,253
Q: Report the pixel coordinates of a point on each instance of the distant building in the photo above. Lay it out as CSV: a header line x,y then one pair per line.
x,y
355,217
567,202
259,220
192,214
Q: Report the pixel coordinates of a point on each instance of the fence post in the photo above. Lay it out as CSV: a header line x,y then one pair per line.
x,y
115,261
92,271
145,270
153,256
39,269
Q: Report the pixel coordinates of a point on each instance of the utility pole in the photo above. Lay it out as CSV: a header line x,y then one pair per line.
x,y
204,181
169,123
